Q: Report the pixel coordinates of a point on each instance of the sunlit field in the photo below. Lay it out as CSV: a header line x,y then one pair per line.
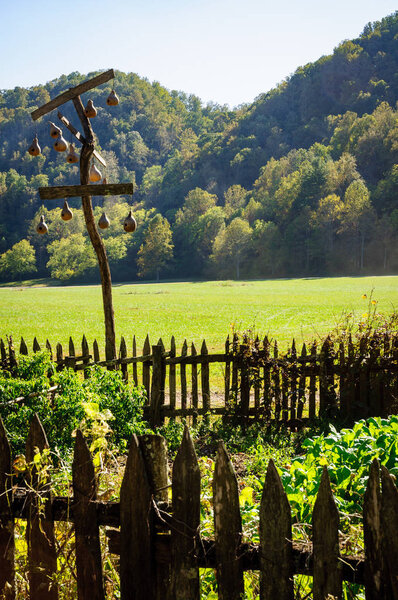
x,y
282,309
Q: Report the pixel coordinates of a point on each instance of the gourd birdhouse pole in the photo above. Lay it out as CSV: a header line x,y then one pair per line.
x,y
88,173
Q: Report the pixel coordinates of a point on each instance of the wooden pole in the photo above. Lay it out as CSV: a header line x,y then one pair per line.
x,y
96,240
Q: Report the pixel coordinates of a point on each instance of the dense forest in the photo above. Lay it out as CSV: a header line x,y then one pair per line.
x,y
303,181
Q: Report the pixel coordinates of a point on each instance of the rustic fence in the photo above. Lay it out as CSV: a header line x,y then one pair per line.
x,y
160,544
252,380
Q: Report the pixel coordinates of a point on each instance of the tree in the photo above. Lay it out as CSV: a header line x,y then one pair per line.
x,y
232,244
70,257
358,215
18,261
157,249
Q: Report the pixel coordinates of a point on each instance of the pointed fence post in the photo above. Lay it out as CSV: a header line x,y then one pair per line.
x,y
137,577
312,394
96,354
227,528
60,357
23,349
156,417
276,384
123,354
186,513
88,549
293,382
194,386
135,373
183,375
276,557
267,398
146,369
325,530
85,355
205,381
372,535
389,527
227,376
302,380
244,382
7,540
36,345
42,555
172,375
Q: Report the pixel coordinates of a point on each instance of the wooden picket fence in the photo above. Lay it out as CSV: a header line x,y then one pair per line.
x,y
159,542
343,381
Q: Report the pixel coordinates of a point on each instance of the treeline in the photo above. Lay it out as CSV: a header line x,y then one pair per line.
x,y
302,182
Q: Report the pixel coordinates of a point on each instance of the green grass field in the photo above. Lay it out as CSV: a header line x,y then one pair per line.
x,y
283,309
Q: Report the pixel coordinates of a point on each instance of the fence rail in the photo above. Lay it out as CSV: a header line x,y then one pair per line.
x,y
159,543
247,380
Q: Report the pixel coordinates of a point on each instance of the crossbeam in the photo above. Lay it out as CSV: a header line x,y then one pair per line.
x,y
79,136
72,93
73,191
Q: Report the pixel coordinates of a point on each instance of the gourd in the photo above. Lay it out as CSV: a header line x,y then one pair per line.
x,y
90,111
34,149
60,145
103,222
66,213
42,226
112,99
94,174
130,224
54,130
72,156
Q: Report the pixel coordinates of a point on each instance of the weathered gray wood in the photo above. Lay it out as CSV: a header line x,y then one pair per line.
x,y
137,577
23,349
172,374
146,351
3,353
123,354
186,511
244,382
227,528
135,373
194,384
276,384
90,189
276,558
301,385
59,357
327,396
255,376
293,382
36,345
42,555
7,540
157,389
312,394
389,528
372,535
285,393
79,137
235,367
183,376
88,549
96,351
205,379
72,93
227,374
325,530
86,355
266,380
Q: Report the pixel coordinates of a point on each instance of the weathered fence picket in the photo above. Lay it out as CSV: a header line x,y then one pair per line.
x,y
159,542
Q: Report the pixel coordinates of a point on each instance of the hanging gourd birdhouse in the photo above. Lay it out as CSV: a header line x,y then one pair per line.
x,y
55,131
103,222
94,174
72,157
66,213
60,144
90,111
34,149
130,224
112,99
42,226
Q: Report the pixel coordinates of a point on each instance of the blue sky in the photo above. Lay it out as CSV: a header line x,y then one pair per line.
x,y
226,51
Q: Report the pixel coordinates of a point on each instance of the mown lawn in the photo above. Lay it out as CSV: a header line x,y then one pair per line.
x,y
283,309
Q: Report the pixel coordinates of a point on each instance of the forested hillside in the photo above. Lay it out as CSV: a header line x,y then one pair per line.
x,y
304,181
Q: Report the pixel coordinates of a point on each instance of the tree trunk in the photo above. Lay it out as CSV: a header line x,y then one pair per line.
x,y
157,274
362,249
96,240
237,266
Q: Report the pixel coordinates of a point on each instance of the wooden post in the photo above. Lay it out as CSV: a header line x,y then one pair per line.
x,y
7,540
312,395
135,374
372,536
227,375
96,353
157,390
267,404
85,355
194,385
60,357
186,512
95,238
137,577
325,529
227,528
146,370
276,384
389,528
23,349
172,375
123,354
42,555
88,549
183,375
276,557
244,382
36,345
301,385
205,380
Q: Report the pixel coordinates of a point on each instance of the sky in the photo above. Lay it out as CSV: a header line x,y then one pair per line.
x,y
224,51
